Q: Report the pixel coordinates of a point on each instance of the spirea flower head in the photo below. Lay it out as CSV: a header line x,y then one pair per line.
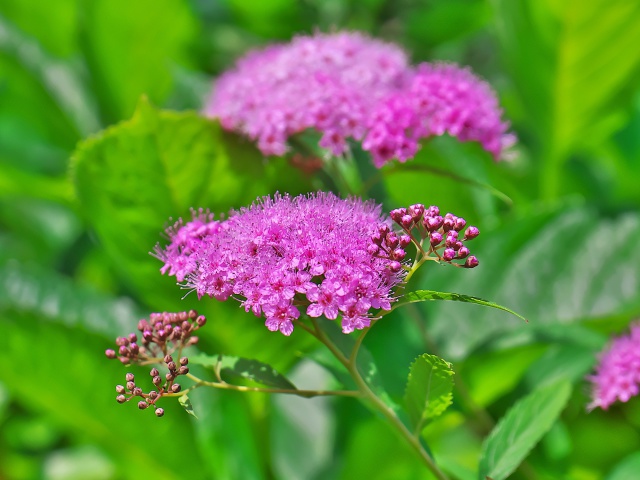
x,y
437,99
346,85
283,256
617,375
328,82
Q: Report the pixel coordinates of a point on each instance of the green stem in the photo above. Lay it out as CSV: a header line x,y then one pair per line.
x,y
242,388
365,390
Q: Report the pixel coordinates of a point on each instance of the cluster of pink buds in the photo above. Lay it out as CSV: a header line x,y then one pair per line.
x,y
162,334
421,225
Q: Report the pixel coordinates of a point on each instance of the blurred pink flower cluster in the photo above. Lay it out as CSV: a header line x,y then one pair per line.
x,y
617,376
349,86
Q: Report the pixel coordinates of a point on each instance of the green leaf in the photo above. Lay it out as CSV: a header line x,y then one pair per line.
x,y
155,34
521,429
430,295
429,388
245,368
627,469
576,69
185,402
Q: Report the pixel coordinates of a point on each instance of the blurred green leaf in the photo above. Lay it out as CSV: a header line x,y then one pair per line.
x,y
130,48
227,435
627,469
575,66
429,388
432,295
555,267
246,368
521,429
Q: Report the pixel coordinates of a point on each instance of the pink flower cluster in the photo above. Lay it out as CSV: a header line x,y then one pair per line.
x,y
346,85
285,254
617,376
330,83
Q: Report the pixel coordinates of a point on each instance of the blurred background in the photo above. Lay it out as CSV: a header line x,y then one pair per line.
x,y
560,226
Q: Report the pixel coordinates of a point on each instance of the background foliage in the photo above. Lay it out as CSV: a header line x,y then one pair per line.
x,y
75,229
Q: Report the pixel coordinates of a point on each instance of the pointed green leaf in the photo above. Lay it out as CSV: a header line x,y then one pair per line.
x,y
185,401
429,388
245,368
429,295
521,429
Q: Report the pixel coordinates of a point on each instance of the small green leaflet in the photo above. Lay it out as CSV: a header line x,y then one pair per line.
x,y
245,368
429,295
429,388
186,404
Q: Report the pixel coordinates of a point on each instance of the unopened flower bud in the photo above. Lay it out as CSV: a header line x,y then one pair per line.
x,y
168,359
406,221
171,366
471,262
395,267
157,380
392,240
153,394
448,254
448,224
147,335
397,214
121,399
134,348
433,223
436,239
136,392
376,238
169,376
201,320
129,377
459,224
193,341
142,404
399,254
463,252
131,386
124,360
404,240
175,388
373,249
120,389
183,370
154,372
471,233
184,361
433,211
133,337
452,238
159,412
122,350
121,341
110,353
416,211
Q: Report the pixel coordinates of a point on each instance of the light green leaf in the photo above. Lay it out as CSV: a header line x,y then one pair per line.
x,y
431,295
245,368
627,469
185,402
521,429
429,388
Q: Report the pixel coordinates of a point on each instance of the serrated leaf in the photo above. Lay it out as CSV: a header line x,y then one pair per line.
x,y
432,295
254,370
521,429
429,388
185,402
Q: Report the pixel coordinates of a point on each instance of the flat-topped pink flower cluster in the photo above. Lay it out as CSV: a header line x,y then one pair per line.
x,y
349,86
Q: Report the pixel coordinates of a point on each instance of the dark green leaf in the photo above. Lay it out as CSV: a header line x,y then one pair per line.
x,y
429,295
245,368
521,429
429,388
186,404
